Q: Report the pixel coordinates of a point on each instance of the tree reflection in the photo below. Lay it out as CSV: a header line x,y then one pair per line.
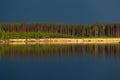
x,y
60,50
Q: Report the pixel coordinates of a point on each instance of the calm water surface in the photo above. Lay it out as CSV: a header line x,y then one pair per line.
x,y
60,62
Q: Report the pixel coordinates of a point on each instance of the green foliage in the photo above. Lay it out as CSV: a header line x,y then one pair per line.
x,y
52,30
2,34
23,35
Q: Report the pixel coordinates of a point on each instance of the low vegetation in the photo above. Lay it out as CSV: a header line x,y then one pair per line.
x,y
24,35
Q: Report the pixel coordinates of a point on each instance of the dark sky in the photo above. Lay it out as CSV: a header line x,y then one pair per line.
x,y
60,11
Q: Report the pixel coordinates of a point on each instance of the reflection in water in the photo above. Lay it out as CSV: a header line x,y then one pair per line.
x,y
49,62
59,50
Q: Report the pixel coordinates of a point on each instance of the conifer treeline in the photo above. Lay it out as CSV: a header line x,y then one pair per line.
x,y
95,30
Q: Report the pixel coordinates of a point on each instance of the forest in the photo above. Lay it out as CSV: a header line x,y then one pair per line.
x,y
64,30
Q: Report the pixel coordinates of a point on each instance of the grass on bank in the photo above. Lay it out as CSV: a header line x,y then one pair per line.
x,y
24,35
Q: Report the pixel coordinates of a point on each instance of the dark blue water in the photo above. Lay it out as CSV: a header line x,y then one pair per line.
x,y
72,67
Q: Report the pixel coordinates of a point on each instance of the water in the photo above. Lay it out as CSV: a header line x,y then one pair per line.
x,y
60,62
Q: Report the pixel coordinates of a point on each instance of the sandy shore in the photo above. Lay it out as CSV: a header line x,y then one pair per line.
x,y
62,41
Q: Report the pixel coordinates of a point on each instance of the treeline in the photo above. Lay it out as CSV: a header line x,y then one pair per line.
x,y
94,30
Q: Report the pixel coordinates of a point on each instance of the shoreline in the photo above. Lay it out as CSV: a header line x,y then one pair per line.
x,y
62,41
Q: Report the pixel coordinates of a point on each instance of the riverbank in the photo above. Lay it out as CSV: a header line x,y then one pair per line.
x,y
62,41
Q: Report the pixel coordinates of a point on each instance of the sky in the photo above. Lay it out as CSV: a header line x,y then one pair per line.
x,y
60,11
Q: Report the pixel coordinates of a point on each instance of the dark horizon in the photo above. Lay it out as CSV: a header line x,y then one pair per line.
x,y
60,11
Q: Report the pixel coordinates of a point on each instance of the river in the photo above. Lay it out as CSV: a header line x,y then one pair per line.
x,y
60,62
